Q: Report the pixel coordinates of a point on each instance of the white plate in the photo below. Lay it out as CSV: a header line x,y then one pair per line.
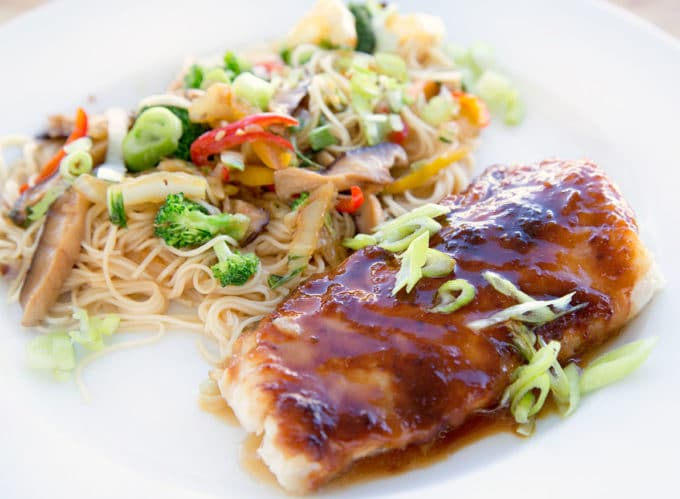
x,y
598,83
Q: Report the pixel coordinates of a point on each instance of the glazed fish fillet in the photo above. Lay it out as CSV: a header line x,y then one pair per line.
x,y
343,370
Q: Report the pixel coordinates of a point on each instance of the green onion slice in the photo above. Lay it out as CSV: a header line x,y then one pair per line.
x,y
359,241
437,264
412,262
447,302
616,364
321,137
505,287
399,238
533,312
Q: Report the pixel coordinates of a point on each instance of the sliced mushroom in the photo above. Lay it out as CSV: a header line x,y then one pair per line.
x,y
57,252
367,165
259,218
370,214
287,100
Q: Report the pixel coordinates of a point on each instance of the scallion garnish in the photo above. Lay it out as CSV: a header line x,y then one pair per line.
x,y
445,294
321,137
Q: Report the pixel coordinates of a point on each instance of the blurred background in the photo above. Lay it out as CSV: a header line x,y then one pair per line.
x,y
664,13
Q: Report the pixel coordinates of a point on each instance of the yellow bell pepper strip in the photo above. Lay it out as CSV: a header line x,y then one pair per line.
x,y
271,154
422,175
473,108
253,176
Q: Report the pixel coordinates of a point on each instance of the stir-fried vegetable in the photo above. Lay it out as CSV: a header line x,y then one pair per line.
x,y
233,268
309,222
254,176
362,22
427,172
193,77
79,130
151,188
40,209
183,223
353,202
321,137
56,352
219,139
93,329
155,134
299,201
78,159
252,89
190,132
52,351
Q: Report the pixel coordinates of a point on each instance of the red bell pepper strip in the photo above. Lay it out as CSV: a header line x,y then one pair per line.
x,y
201,150
353,203
219,139
400,136
79,131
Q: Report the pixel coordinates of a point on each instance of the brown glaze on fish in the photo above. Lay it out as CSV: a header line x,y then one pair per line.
x,y
343,369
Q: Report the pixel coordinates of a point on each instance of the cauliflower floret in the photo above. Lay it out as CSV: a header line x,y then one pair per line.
x,y
328,21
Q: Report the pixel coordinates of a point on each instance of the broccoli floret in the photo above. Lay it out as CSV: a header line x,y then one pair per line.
x,y
184,223
233,268
362,20
190,132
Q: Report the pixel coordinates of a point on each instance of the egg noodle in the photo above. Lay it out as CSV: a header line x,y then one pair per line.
x,y
153,286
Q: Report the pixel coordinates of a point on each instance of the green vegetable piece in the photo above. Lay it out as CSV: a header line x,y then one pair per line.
x,y
439,109
155,134
233,268
360,241
530,377
399,238
252,89
412,262
503,286
52,351
74,164
116,206
194,77
183,223
366,41
299,201
215,75
234,64
481,57
614,365
274,280
391,65
447,303
93,329
437,264
321,137
285,55
39,209
190,132
429,210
